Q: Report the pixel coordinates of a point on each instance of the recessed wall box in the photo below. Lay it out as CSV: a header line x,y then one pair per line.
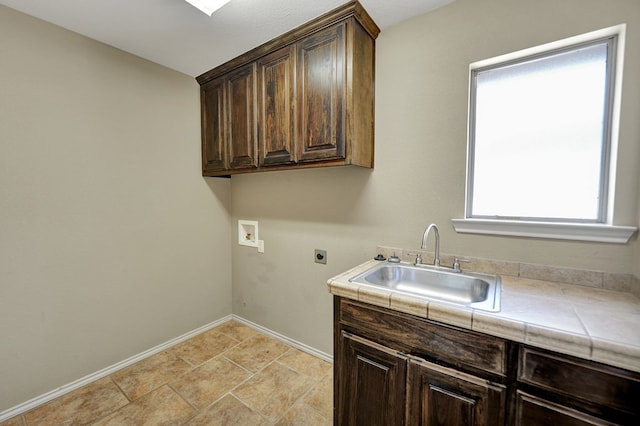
x,y
320,256
248,233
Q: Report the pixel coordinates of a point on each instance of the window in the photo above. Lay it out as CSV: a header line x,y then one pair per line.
x,y
542,137
539,146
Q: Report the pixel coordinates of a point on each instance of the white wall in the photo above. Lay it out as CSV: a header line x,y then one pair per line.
x,y
419,175
110,240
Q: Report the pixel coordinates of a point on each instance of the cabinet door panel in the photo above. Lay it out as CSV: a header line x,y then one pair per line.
x,y
371,388
275,107
442,396
242,137
321,95
533,411
213,126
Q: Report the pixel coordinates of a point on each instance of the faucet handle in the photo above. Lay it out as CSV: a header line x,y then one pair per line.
x,y
418,258
456,264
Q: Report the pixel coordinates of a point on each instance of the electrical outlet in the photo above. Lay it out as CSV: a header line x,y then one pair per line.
x,y
320,256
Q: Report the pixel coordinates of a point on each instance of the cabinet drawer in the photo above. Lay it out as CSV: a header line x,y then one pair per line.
x,y
596,383
424,338
534,411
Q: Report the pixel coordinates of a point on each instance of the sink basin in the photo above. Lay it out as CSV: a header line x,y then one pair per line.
x,y
473,290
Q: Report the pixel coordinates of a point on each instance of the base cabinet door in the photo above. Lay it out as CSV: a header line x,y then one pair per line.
x,y
438,395
371,384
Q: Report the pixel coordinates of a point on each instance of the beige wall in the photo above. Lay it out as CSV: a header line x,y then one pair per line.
x,y
419,175
110,240
636,246
112,243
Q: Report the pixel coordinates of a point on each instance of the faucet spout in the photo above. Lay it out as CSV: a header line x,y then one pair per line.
x,y
436,260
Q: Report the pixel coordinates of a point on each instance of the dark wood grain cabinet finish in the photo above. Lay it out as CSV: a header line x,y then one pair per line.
x,y
242,133
426,339
373,388
276,112
460,377
229,126
305,99
564,387
439,395
534,411
321,91
448,377
214,156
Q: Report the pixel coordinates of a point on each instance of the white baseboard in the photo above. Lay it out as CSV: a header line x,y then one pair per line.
x,y
285,339
62,390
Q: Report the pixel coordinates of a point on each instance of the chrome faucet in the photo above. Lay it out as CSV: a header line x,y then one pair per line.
x,y
436,260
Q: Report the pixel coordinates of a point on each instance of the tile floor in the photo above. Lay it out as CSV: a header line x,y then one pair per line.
x,y
229,375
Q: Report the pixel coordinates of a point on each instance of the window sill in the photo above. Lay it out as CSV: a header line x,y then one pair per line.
x,y
560,231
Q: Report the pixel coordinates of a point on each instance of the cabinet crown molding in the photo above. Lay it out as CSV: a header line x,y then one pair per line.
x,y
347,10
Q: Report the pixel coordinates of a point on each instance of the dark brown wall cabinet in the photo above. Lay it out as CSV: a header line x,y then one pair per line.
x,y
276,112
305,99
397,369
242,131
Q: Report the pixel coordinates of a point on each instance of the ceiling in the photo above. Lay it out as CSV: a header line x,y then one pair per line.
x,y
175,34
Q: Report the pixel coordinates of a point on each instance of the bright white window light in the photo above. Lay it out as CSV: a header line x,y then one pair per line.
x,y
540,136
208,6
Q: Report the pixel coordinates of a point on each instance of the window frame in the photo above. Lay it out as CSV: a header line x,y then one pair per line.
x,y
602,229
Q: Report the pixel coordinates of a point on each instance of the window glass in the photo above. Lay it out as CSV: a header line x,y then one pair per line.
x,y
539,136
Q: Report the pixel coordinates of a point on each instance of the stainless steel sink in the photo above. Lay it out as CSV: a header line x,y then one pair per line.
x,y
473,290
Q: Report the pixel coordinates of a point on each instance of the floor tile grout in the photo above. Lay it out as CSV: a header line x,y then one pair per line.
x,y
171,368
119,388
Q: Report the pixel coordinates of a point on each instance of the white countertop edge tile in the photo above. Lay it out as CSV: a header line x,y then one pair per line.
x,y
558,340
616,354
507,328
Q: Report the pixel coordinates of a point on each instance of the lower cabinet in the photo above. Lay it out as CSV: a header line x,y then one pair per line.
x,y
380,386
531,410
393,368
558,389
373,385
438,395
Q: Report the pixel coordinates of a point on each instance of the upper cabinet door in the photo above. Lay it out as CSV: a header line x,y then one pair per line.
x,y
276,111
242,133
213,126
321,95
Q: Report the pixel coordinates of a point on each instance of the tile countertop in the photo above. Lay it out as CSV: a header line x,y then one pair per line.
x,y
591,323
